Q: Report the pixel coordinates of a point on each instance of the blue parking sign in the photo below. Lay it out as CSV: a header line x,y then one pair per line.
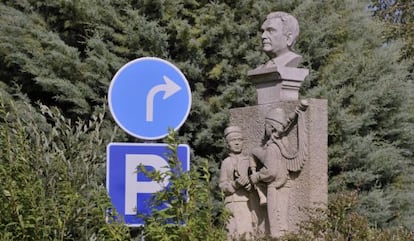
x,y
130,190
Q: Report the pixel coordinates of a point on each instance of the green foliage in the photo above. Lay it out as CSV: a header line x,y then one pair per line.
x,y
64,53
399,18
341,221
370,94
52,173
189,213
71,49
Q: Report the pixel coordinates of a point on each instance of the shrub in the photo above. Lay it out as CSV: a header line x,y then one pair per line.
x,y
341,221
191,209
52,175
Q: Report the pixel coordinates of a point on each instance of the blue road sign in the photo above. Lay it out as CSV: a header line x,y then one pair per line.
x,y
147,96
130,191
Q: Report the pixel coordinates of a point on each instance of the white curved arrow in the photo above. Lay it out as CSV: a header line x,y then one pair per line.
x,y
170,88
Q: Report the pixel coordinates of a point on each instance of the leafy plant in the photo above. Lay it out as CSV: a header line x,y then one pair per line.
x,y
52,175
190,205
341,221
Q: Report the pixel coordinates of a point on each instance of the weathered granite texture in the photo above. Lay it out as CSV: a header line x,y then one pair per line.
x,y
234,182
279,78
285,138
277,83
308,187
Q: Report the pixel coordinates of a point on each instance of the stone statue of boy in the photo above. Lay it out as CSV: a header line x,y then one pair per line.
x,y
280,31
235,184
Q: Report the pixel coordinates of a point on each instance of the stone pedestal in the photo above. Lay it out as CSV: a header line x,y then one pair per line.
x,y
277,83
309,187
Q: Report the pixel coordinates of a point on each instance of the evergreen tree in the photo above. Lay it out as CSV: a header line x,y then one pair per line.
x,y
65,53
370,94
399,18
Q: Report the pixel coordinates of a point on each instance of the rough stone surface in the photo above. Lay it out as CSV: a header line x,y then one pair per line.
x,y
277,83
279,78
308,187
285,138
234,183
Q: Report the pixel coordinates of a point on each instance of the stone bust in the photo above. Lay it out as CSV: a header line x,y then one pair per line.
x,y
280,31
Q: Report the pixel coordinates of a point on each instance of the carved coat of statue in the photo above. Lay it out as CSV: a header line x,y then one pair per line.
x,y
235,184
279,157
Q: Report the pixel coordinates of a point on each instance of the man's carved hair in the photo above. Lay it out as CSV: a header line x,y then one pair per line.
x,y
290,24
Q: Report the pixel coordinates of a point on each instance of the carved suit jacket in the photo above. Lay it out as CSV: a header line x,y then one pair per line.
x,y
231,167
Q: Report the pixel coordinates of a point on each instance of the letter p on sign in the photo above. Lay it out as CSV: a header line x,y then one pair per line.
x,y
129,190
132,183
